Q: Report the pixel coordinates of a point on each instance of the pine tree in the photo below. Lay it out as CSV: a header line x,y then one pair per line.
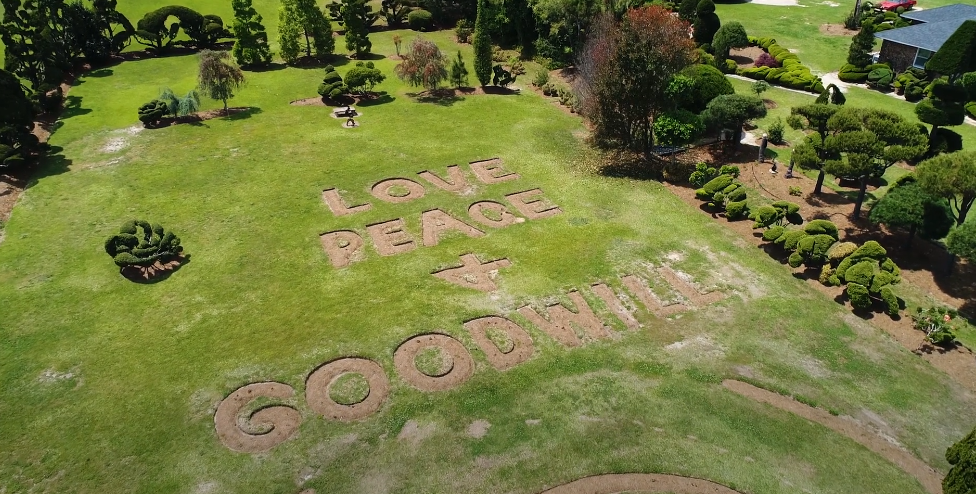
x,y
251,47
861,46
459,72
354,13
482,45
303,17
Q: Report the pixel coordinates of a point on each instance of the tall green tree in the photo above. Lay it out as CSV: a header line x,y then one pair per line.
x,y
944,108
961,478
459,72
563,27
35,41
218,76
909,207
98,30
956,56
707,22
394,12
355,14
482,45
862,44
952,176
297,18
251,46
625,72
17,142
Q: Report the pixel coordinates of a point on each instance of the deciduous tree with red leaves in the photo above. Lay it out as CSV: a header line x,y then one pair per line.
x,y
625,69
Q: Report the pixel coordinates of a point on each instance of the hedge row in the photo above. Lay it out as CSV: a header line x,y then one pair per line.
x,y
791,73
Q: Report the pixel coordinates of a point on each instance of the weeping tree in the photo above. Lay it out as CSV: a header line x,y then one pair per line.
x,y
423,65
139,244
218,76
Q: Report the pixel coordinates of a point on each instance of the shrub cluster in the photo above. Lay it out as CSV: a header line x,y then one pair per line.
x,y
132,247
332,86
420,20
724,193
866,271
789,73
937,323
704,173
151,113
857,75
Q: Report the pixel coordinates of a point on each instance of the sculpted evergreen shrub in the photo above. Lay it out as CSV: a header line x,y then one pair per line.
x,y
420,20
332,86
139,244
858,294
151,113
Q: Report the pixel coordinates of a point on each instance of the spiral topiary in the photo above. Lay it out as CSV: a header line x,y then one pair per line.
x,y
139,244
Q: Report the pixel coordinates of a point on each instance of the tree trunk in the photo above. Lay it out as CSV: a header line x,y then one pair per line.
x,y
911,236
860,197
935,128
951,264
308,45
225,106
964,205
820,180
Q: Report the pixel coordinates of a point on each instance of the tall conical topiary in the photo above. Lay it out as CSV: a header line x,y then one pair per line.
x,y
482,45
958,53
859,54
707,23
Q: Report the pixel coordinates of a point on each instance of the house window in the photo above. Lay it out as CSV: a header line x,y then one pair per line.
x,y
921,57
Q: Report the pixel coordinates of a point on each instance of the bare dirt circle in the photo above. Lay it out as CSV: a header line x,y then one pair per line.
x,y
640,482
397,190
406,354
280,421
321,379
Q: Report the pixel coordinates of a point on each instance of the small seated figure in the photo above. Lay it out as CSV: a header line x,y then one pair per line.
x,y
351,122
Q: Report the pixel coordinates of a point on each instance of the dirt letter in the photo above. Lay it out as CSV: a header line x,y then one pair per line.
x,y
522,347
435,222
533,209
615,305
505,218
342,246
338,206
561,326
381,190
321,380
280,421
457,184
390,239
491,171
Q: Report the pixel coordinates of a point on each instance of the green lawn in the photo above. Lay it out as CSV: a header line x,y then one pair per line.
x,y
111,386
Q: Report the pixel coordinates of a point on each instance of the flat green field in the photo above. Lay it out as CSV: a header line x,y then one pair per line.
x,y
111,385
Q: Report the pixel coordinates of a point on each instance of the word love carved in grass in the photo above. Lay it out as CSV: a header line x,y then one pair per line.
x,y
390,237
248,421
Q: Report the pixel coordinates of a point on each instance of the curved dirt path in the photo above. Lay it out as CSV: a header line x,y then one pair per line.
x,y
640,482
926,475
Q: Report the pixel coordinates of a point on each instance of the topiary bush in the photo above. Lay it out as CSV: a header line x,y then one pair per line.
x,y
717,184
152,113
420,20
858,294
139,244
881,78
332,86
702,174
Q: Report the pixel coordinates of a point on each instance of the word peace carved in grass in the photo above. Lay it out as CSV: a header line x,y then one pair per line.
x,y
390,237
247,421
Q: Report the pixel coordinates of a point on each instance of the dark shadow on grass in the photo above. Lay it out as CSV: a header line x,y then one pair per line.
x,y
271,67
72,108
442,97
51,163
157,272
368,56
102,72
240,113
379,99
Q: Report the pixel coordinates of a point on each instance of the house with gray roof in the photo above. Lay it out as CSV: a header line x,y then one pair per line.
x,y
913,45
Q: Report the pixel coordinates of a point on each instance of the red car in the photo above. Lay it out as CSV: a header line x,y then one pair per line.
x,y
893,5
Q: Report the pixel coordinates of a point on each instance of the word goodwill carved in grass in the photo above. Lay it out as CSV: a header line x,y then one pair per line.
x,y
390,237
245,421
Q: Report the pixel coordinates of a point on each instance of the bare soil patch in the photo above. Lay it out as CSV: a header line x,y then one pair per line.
x,y
479,428
746,57
640,482
836,30
926,475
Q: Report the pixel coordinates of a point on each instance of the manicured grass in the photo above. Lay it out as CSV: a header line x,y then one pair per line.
x,y
111,386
